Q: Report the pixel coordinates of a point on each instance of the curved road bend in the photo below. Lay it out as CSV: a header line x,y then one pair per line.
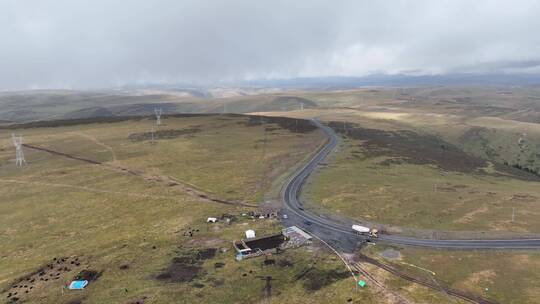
x,y
341,235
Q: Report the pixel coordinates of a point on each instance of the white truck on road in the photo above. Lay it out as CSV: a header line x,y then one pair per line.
x,y
365,230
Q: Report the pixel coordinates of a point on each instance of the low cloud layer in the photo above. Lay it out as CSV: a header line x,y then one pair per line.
x,y
103,43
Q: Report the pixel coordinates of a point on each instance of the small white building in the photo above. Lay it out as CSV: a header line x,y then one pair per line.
x,y
250,234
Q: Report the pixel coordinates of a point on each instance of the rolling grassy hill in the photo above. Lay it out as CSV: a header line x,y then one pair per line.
x,y
415,159
53,105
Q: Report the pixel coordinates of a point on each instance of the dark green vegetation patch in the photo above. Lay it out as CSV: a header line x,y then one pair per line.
x,y
411,147
406,146
296,100
163,134
291,124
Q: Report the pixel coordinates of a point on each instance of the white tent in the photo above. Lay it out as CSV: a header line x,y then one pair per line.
x,y
250,234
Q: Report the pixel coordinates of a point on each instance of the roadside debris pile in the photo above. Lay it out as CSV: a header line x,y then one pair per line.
x,y
296,237
231,218
266,212
224,218
261,214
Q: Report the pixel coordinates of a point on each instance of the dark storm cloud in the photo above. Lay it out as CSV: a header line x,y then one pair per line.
x,y
70,43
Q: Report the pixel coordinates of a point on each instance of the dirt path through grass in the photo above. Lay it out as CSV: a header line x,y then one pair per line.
x,y
389,295
166,180
458,294
98,142
139,195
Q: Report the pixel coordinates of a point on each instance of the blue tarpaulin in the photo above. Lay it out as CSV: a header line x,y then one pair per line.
x,y
78,284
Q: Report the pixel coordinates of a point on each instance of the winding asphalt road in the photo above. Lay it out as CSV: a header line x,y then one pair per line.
x,y
339,232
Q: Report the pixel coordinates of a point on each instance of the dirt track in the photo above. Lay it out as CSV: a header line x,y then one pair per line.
x,y
98,142
168,181
449,291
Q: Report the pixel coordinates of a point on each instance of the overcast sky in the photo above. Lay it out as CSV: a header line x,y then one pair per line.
x,y
102,43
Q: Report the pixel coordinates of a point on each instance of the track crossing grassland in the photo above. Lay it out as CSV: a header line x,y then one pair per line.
x,y
163,179
89,189
382,287
449,291
99,143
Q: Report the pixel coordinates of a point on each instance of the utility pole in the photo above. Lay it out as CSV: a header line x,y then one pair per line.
x,y
158,113
18,142
513,214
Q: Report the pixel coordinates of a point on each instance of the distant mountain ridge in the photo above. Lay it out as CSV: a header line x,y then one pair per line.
x,y
399,80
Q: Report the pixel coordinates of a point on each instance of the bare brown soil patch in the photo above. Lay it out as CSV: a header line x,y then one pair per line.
x,y
314,279
524,197
469,217
285,263
88,275
481,276
187,266
138,301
